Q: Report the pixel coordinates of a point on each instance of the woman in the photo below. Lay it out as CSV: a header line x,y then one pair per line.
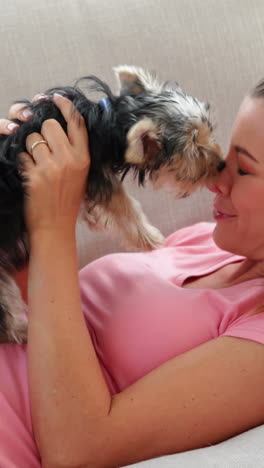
x,y
174,357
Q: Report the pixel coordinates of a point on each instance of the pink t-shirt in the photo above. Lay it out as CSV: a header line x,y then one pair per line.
x,y
138,316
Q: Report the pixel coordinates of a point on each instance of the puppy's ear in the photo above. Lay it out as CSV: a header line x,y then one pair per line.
x,y
143,142
134,80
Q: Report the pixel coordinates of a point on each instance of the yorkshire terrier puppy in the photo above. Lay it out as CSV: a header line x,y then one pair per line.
x,y
156,130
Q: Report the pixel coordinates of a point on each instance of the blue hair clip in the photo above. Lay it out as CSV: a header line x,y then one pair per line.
x,y
105,103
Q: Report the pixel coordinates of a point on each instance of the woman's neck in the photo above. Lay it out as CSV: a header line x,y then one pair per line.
x,y
247,270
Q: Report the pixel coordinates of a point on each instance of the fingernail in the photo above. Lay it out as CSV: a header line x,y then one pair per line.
x,y
42,97
27,113
12,126
57,96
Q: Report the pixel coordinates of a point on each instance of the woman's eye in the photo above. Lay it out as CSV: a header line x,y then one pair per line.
x,y
241,172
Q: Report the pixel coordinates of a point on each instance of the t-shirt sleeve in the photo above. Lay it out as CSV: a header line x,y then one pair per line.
x,y
199,233
16,442
247,327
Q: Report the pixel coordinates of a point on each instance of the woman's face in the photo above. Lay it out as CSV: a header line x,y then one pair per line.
x,y
239,201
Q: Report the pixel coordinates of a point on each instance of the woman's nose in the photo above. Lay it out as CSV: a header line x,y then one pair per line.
x,y
222,183
213,188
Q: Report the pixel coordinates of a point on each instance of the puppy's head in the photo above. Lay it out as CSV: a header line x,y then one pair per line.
x,y
171,138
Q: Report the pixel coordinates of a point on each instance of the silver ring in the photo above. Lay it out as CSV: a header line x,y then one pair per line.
x,y
37,143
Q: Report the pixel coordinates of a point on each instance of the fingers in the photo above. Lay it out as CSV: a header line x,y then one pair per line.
x,y
18,111
40,97
66,107
76,128
57,139
7,127
40,152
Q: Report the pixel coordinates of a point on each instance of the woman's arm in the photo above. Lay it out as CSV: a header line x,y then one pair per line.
x,y
69,396
55,181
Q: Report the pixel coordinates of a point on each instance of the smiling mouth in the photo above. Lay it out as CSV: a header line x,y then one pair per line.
x,y
218,214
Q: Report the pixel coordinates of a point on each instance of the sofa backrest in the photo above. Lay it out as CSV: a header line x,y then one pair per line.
x,y
212,48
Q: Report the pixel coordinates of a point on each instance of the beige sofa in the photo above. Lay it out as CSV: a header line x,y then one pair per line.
x,y
213,48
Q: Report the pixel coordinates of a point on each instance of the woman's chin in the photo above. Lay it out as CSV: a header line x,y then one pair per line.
x,y
225,240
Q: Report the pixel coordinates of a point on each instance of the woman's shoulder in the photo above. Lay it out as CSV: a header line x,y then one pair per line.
x,y
194,234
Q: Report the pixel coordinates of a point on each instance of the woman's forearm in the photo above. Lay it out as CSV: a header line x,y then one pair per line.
x,y
69,396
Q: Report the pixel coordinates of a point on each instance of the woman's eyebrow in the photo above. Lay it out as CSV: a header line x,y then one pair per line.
x,y
239,149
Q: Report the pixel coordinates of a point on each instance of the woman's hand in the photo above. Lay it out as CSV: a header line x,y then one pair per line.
x,y
7,127
56,173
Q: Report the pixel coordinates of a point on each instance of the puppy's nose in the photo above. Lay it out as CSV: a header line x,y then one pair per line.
x,y
221,166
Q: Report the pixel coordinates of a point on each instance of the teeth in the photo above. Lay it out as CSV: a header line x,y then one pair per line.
x,y
216,212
